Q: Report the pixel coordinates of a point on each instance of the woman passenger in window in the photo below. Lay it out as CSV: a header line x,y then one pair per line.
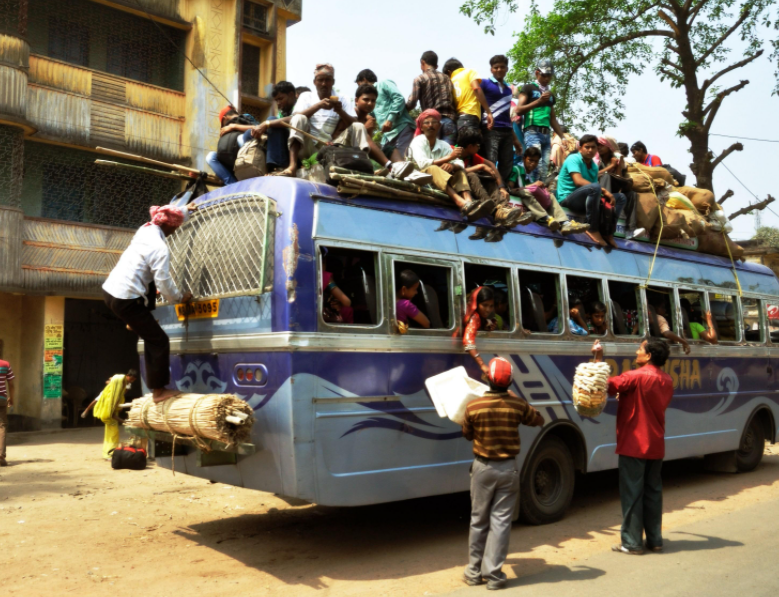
x,y
336,306
479,316
698,331
408,287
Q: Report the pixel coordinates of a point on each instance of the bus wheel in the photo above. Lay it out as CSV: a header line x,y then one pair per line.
x,y
547,485
750,452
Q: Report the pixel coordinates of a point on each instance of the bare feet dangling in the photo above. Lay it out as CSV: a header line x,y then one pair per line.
x,y
596,237
163,394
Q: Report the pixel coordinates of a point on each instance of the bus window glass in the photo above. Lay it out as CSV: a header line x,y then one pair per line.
x,y
540,300
772,317
432,297
750,313
349,287
661,312
693,314
724,310
499,279
625,303
588,313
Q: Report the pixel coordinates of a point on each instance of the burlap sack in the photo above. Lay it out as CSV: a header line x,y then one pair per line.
x,y
695,222
641,184
702,199
716,243
653,172
646,211
674,224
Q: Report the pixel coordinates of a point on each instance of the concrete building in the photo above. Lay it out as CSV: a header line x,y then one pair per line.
x,y
128,75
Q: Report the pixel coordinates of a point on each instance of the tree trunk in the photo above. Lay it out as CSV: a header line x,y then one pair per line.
x,y
701,159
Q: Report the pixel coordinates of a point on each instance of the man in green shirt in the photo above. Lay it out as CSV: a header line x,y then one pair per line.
x,y
397,126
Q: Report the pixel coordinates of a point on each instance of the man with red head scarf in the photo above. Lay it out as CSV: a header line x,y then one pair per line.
x,y
131,288
492,423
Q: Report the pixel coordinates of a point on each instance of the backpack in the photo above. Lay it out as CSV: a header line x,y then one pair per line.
x,y
127,457
250,162
350,158
227,147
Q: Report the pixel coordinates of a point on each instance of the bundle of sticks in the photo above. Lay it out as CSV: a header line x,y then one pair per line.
x,y
590,388
221,417
356,183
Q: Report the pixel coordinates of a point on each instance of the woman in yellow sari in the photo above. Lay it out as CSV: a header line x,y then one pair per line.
x,y
107,408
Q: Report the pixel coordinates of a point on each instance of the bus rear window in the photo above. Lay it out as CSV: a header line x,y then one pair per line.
x,y
499,279
661,312
540,300
750,312
430,298
587,312
349,287
693,314
625,312
724,310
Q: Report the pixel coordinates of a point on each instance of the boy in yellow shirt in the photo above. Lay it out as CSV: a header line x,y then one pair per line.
x,y
468,95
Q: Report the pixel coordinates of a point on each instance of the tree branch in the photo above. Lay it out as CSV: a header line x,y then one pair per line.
x,y
715,104
709,82
723,37
694,12
620,40
670,22
673,76
756,207
726,153
673,64
728,194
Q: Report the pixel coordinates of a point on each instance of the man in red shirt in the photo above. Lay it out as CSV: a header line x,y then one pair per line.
x,y
642,156
644,395
6,400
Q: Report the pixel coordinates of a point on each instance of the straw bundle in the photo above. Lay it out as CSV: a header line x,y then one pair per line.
x,y
221,417
590,388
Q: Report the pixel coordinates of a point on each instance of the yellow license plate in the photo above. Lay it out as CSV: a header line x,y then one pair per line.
x,y
198,310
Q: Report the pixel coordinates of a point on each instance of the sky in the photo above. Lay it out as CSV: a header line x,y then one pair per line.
x,y
390,40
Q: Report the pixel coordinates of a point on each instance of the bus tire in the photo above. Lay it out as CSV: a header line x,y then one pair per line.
x,y
750,452
547,485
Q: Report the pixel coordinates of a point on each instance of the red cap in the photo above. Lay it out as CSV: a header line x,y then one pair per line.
x,y
224,111
500,372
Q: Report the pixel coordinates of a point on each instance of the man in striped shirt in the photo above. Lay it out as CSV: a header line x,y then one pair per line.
x,y
6,400
434,90
492,423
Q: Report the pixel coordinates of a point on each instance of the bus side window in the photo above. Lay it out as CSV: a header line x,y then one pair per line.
x,y
429,297
588,313
660,304
499,279
540,300
349,287
693,314
724,311
625,308
772,318
750,313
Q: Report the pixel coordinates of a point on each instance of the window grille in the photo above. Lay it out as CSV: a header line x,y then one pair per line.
x,y
11,166
250,69
255,17
225,248
13,17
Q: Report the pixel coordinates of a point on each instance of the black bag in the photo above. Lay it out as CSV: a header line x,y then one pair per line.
x,y
227,147
351,158
680,178
129,458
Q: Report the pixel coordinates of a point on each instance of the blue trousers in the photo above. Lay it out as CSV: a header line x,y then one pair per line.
x,y
222,171
277,151
586,200
448,131
544,143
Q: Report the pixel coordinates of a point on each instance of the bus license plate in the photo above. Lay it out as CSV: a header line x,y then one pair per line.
x,y
198,310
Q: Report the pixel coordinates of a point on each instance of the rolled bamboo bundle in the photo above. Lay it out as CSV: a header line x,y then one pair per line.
x,y
590,388
221,417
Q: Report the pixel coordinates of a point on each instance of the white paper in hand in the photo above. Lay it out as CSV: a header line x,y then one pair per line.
x,y
452,391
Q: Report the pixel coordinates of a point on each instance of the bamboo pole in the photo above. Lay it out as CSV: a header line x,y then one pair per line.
x,y
372,186
304,133
175,175
341,173
139,158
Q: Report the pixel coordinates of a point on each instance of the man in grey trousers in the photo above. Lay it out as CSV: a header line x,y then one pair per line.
x,y
492,423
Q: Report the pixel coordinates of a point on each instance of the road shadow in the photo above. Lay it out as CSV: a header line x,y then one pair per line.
x,y
548,573
705,542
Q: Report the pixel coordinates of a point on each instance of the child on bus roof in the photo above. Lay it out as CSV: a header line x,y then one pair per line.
x,y
408,287
479,316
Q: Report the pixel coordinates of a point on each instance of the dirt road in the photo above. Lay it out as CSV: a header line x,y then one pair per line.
x,y
70,524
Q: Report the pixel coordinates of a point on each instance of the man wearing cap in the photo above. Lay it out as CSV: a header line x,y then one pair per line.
x,y
536,102
131,291
492,423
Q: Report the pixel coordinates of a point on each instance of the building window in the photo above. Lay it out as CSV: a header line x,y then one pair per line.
x,y
68,41
126,59
255,17
250,69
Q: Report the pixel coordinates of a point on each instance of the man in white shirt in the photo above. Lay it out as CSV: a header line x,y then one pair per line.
x,y
327,117
130,291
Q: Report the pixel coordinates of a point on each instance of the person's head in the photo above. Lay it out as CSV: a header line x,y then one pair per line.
x,y
366,77
658,303
485,302
324,79
131,376
544,71
285,95
605,149
693,314
429,122
577,304
588,146
598,314
653,350
469,138
500,376
450,66
365,98
226,114
501,301
429,60
408,284
623,148
300,90
530,158
499,66
639,151
167,217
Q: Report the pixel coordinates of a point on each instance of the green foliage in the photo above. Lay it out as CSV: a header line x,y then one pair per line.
x,y
768,235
